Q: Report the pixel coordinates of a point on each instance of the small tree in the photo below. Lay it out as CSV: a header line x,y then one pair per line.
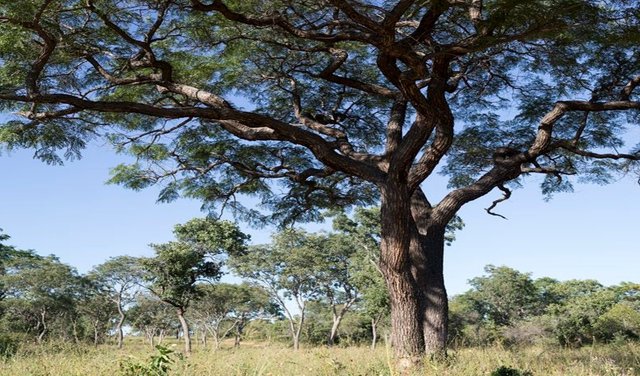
x,y
42,290
285,270
224,308
97,310
119,277
503,295
195,256
152,317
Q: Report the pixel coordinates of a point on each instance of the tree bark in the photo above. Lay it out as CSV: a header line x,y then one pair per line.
x,y
185,331
405,298
427,260
412,255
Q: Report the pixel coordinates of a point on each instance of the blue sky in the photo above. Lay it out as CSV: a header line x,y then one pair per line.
x,y
70,212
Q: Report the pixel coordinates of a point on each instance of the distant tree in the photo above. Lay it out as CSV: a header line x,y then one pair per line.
x,y
224,308
621,321
374,295
97,309
595,312
285,268
503,295
344,102
363,232
120,277
152,317
40,291
196,255
7,254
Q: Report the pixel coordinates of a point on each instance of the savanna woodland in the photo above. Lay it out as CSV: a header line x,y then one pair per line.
x,y
315,105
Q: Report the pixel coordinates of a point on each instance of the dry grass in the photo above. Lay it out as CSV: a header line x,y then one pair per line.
x,y
271,360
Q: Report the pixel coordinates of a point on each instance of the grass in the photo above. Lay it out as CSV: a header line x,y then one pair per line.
x,y
256,359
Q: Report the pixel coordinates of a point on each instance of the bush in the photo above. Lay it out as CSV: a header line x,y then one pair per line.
x,y
8,345
620,322
537,330
506,371
157,365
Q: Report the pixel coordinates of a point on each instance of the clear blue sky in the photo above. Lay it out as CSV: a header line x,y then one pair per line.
x,y
70,212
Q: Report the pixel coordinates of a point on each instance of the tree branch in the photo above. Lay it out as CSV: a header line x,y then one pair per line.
x,y
505,197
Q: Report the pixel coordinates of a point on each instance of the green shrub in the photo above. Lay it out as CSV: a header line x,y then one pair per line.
x,y
158,364
8,346
506,371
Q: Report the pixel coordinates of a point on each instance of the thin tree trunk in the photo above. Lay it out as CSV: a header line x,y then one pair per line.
x,y
74,328
337,320
239,329
374,332
119,331
95,334
43,321
185,331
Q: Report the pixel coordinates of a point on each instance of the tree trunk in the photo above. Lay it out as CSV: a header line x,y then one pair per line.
x,y
43,321
239,330
337,319
185,331
119,330
74,328
95,334
406,314
427,259
412,263
374,333
295,331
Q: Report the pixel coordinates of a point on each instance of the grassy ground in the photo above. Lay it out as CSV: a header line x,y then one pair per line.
x,y
272,360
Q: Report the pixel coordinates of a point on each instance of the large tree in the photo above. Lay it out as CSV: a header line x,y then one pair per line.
x,y
338,102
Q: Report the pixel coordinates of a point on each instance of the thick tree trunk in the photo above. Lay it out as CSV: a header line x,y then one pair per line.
x,y
185,331
427,260
412,263
406,306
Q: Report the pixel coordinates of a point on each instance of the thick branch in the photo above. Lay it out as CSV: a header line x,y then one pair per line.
x,y
277,20
339,58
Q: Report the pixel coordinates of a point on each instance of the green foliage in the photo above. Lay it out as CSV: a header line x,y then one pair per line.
x,y
8,345
159,364
196,255
508,371
503,295
509,307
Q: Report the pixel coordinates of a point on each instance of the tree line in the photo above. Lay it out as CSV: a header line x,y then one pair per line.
x,y
316,288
